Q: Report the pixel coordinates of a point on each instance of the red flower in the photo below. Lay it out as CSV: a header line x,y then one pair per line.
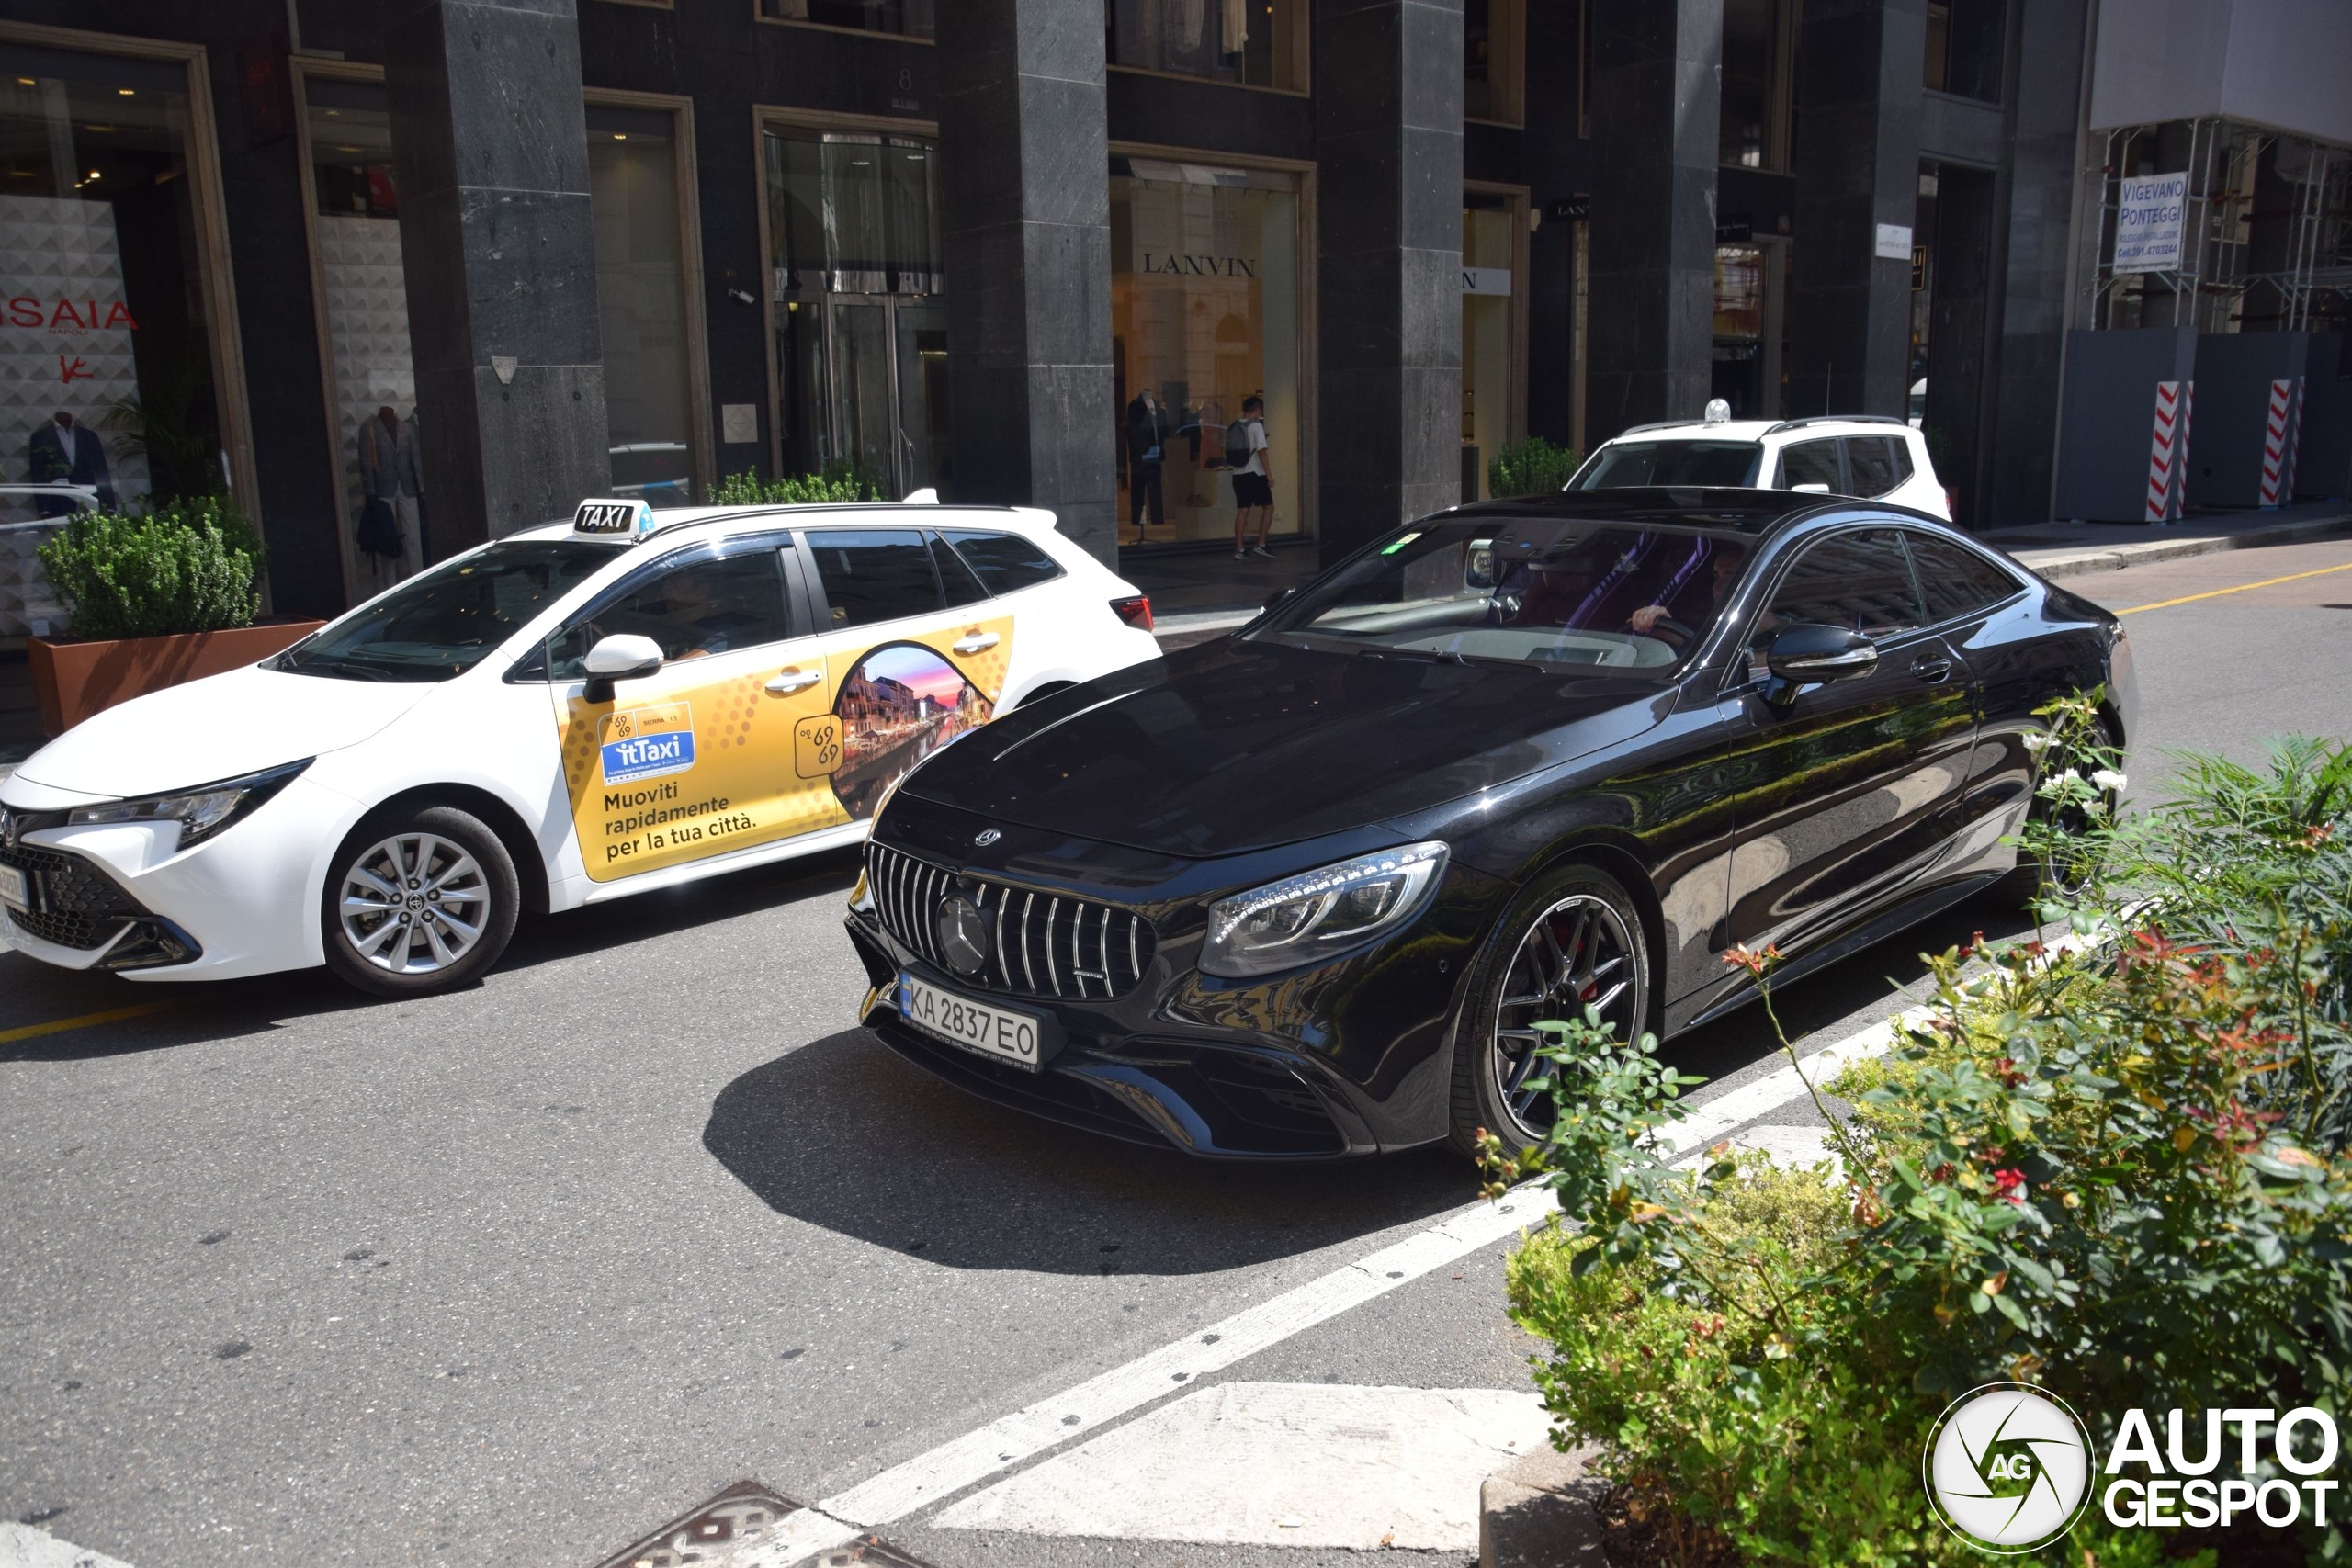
x,y
2009,1183
1755,963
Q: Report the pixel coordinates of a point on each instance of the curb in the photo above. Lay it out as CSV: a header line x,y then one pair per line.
x,y
1539,1512
2059,562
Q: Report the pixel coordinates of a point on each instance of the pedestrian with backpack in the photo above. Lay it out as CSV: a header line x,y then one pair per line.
x,y
1253,485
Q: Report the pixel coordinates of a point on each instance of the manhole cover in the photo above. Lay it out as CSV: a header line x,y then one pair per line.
x,y
730,1530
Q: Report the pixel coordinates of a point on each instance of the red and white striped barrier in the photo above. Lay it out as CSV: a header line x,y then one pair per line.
x,y
2169,450
2281,433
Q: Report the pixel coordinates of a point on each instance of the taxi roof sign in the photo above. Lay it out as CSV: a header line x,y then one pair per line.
x,y
611,519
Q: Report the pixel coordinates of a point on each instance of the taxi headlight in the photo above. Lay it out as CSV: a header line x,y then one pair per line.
x,y
1303,918
201,812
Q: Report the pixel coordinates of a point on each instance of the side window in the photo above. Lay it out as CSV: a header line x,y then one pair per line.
x,y
1872,465
1811,463
1957,581
1005,561
1899,448
956,578
711,606
1858,580
874,574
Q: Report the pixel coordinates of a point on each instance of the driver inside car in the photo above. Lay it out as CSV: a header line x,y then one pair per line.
x,y
1659,619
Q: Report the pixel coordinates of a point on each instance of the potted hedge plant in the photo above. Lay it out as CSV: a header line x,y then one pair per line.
x,y
153,600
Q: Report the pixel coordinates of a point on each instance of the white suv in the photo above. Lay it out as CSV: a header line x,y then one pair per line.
x,y
1867,456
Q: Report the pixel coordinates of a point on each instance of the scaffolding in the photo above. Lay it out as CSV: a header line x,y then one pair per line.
x,y
2210,287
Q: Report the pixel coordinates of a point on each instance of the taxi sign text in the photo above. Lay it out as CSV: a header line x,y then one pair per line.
x,y
610,518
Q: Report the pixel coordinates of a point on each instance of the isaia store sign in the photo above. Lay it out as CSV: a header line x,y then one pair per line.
x,y
62,315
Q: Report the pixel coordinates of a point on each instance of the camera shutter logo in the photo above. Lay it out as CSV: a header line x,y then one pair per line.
x,y
2009,1468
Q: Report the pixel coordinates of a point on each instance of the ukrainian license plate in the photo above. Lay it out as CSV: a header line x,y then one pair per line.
x,y
1000,1032
13,892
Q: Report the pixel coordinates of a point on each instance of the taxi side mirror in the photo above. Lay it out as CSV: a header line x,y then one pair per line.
x,y
621,657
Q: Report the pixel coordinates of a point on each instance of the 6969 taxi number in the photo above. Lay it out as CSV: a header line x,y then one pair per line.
x,y
990,1030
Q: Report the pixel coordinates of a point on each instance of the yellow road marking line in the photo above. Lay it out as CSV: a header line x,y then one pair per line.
x,y
60,1025
2242,587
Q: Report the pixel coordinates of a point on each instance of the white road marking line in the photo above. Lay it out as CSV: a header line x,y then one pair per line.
x,y
1011,1440
21,1546
1361,1468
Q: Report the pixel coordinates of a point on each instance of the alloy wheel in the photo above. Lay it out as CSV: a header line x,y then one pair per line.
x,y
1577,954
414,904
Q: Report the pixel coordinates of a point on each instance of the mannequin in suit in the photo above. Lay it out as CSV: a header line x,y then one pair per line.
x,y
1148,433
72,453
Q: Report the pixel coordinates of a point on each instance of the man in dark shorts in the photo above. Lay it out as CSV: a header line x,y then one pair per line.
x,y
1253,485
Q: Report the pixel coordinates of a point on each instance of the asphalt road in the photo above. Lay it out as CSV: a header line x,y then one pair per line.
x,y
516,1275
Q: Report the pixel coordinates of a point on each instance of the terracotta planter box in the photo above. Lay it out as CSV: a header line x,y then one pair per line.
x,y
74,680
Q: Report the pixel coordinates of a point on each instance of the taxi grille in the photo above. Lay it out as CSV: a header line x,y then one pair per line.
x,y
1040,945
75,904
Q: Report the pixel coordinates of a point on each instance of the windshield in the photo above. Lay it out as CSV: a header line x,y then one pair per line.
x,y
437,627
1714,463
1554,593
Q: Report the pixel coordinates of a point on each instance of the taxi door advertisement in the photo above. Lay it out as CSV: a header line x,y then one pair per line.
x,y
710,756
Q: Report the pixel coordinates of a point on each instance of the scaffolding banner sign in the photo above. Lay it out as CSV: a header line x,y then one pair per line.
x,y
2148,223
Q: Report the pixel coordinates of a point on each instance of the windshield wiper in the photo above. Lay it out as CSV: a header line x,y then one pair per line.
x,y
351,667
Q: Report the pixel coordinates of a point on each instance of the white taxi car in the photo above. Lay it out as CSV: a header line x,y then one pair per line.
x,y
568,714
1872,457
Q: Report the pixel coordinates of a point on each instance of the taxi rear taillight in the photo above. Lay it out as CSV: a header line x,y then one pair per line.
x,y
1136,611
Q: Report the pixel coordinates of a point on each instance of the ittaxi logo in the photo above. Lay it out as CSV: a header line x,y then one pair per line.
x,y
2008,1467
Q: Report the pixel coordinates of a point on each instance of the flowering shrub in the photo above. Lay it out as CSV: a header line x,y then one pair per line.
x,y
840,480
2115,1169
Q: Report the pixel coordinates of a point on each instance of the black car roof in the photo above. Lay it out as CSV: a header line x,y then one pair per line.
x,y
1689,506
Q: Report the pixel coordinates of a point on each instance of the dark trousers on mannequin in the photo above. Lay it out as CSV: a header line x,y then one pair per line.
x,y
1143,491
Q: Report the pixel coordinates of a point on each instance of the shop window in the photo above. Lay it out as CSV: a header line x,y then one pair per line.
x,y
1258,43
1745,368
633,202
1965,47
1204,314
861,331
1493,59
1490,245
904,19
1756,46
108,374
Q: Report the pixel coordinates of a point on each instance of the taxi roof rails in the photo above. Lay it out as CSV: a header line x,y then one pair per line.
x,y
760,508
1837,419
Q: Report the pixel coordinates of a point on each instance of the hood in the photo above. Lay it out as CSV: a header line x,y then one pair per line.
x,y
1237,745
218,727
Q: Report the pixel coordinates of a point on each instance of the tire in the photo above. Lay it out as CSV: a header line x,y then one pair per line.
x,y
1576,904
2028,886
449,860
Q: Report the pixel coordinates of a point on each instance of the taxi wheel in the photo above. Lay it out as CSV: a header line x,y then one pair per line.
x,y
419,900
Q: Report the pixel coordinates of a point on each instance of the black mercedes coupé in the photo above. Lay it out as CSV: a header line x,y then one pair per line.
x,y
1304,890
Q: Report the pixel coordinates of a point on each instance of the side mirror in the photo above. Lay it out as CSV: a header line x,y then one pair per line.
x,y
621,657
1801,654
1279,597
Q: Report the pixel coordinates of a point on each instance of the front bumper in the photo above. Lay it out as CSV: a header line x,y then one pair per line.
x,y
126,897
1347,1057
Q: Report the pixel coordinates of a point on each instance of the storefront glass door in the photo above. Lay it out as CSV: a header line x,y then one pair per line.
x,y
861,329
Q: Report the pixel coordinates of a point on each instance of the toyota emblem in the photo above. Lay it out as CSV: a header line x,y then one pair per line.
x,y
963,935
986,837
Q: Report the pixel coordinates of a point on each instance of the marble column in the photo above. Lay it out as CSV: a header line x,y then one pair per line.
x,y
489,153
1025,220
1657,100
1860,68
1389,229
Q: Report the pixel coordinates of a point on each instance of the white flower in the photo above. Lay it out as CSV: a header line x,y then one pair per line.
x,y
2109,780
2037,742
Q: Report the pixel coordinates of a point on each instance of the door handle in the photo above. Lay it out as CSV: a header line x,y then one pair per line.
x,y
792,681
975,642
1931,668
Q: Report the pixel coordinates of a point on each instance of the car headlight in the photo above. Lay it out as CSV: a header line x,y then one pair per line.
x,y
1302,917
861,895
201,812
